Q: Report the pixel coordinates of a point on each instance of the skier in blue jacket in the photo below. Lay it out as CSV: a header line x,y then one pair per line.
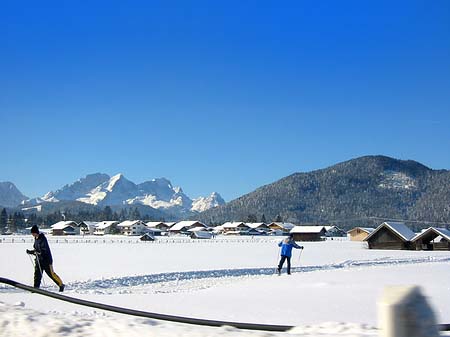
x,y
286,252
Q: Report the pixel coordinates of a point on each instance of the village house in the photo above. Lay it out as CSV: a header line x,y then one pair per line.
x,y
200,233
234,228
433,239
334,231
281,228
218,229
259,226
105,227
87,227
157,227
359,233
132,227
65,228
308,233
184,226
391,235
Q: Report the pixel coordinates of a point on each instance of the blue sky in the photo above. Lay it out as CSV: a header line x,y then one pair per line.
x,y
222,97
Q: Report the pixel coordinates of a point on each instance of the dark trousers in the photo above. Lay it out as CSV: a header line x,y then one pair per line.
x,y
280,265
48,268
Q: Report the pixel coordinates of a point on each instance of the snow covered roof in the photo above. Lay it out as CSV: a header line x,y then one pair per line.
x,y
256,224
445,233
130,223
89,224
368,230
197,229
106,224
284,225
307,229
397,227
63,224
153,224
183,224
233,224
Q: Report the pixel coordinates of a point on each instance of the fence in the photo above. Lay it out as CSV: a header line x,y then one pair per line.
x,y
136,240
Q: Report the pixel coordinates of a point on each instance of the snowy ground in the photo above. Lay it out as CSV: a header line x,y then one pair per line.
x,y
333,290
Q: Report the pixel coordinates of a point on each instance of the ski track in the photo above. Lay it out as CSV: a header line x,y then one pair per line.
x,y
196,280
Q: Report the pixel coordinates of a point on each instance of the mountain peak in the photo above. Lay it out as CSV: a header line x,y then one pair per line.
x,y
204,203
10,196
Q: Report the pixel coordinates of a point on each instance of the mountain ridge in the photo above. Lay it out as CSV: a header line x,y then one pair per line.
x,y
102,190
363,188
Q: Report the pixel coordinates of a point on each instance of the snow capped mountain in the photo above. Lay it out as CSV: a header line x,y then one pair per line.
x,y
202,204
78,189
10,196
111,192
102,190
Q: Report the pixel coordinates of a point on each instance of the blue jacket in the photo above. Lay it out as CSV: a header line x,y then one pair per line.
x,y
287,245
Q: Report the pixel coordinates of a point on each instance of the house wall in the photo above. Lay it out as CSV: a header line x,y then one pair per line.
x,y
426,243
358,235
57,232
443,245
385,239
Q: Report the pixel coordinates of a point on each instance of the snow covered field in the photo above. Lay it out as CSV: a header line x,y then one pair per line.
x,y
333,290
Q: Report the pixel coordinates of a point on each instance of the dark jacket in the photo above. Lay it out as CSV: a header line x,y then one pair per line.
x,y
42,250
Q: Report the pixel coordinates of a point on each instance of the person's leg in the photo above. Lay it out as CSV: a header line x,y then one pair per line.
x,y
289,265
50,272
37,274
280,265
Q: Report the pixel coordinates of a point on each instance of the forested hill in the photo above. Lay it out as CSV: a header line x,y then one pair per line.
x,y
348,194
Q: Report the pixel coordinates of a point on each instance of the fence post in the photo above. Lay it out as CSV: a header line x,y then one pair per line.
x,y
404,312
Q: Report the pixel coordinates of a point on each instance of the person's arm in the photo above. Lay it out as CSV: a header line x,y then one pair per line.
x,y
44,249
297,246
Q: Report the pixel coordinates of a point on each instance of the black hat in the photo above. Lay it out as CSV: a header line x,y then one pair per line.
x,y
34,229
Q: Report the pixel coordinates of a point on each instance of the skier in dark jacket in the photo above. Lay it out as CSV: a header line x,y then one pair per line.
x,y
44,260
286,253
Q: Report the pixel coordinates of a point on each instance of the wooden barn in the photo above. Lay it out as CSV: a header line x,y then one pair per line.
x,y
391,235
308,233
359,233
433,239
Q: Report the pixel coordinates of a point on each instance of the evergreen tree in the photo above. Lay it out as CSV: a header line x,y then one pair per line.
x,y
263,219
252,218
135,214
279,218
32,219
11,224
123,215
3,218
107,213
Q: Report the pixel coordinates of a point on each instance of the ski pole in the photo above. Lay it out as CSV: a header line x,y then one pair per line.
x,y
276,261
31,260
40,269
299,255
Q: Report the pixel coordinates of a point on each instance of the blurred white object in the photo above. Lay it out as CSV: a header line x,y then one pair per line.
x,y
405,312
